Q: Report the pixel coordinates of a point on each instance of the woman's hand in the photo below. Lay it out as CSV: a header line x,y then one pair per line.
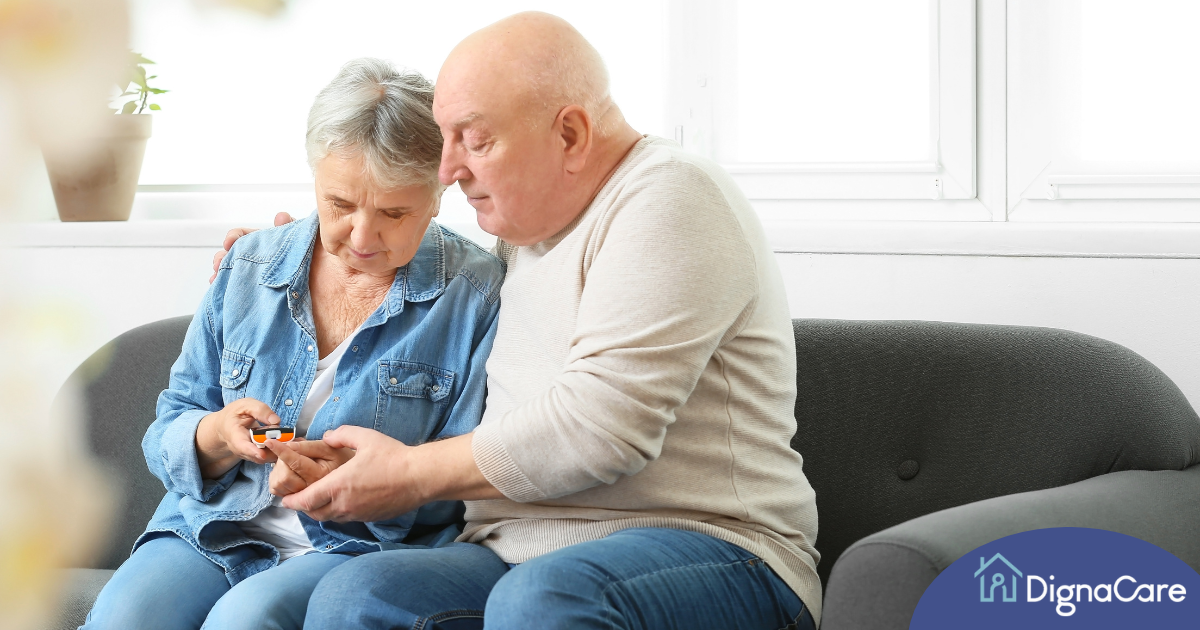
x,y
223,437
303,462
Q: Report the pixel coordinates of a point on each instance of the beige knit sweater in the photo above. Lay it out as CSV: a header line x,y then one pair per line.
x,y
644,375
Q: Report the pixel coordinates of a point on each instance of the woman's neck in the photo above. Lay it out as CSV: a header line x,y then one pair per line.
x,y
327,267
342,297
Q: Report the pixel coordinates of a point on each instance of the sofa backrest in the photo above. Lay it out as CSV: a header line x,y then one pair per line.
x,y
895,420
898,419
120,384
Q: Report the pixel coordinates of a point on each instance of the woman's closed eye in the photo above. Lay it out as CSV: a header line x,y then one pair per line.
x,y
339,204
397,213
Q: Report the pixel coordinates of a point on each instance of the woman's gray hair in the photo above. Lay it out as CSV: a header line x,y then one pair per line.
x,y
383,114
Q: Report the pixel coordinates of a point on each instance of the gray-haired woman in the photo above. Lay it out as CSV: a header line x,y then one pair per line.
x,y
366,314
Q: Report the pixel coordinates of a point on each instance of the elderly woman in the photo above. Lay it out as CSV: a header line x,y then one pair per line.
x,y
365,314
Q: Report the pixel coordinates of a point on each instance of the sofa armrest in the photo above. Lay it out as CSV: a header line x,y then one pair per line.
x,y
878,581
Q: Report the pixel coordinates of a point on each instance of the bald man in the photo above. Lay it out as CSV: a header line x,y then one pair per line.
x,y
632,468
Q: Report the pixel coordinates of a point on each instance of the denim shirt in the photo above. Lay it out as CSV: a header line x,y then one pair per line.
x,y
414,371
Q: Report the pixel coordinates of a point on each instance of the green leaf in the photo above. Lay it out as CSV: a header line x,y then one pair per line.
x,y
156,91
138,59
128,108
155,107
139,76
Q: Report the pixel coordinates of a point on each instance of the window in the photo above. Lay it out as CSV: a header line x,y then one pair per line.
x,y
1102,110
1023,110
229,142
861,99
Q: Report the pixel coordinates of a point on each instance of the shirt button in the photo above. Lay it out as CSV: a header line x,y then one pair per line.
x,y
393,380
435,387
310,348
235,372
336,398
355,349
295,294
328,547
288,402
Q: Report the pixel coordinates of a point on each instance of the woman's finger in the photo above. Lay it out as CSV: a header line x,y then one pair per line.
x,y
284,481
313,500
250,412
305,468
241,445
314,449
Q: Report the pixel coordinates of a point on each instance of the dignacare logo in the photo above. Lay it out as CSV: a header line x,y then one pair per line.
x,y
1065,577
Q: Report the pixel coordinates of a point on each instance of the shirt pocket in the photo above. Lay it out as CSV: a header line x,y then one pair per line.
x,y
413,398
235,372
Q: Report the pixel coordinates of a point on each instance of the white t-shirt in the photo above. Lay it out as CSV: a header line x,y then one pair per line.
x,y
276,524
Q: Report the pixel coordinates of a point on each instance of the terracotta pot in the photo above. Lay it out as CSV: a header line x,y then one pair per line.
x,y
96,180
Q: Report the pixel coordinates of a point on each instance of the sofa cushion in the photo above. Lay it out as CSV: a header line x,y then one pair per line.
x,y
120,384
896,420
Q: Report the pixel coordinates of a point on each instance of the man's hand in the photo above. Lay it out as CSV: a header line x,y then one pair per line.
x,y
302,463
387,478
223,437
233,235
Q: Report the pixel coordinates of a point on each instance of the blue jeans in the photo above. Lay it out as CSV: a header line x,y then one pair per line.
x,y
636,578
168,585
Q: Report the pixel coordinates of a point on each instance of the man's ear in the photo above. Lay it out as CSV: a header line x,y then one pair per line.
x,y
575,128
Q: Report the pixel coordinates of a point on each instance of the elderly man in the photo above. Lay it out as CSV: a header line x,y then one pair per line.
x,y
632,468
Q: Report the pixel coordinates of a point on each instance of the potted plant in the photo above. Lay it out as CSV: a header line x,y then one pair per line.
x,y
97,180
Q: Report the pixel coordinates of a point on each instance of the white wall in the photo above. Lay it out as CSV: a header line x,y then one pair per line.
x,y
1149,304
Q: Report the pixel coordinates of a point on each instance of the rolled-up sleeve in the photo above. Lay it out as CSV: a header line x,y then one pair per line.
x,y
668,285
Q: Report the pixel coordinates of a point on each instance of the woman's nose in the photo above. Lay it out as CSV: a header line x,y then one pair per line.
x,y
364,235
364,241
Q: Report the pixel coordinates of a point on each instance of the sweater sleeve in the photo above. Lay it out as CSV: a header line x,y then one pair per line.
x,y
670,277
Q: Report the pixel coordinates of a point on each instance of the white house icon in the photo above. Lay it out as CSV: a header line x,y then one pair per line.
x,y
997,580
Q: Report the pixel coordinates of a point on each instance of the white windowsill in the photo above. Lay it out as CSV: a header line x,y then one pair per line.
x,y
935,238
120,234
973,238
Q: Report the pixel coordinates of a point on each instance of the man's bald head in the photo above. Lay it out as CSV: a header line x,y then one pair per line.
x,y
543,64
529,130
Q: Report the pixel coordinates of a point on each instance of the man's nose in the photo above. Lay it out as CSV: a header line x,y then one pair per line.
x,y
452,169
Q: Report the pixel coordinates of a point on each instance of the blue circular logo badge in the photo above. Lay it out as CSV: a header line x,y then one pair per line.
x,y
1063,577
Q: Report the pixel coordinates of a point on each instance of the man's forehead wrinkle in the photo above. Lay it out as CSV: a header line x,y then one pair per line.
x,y
466,120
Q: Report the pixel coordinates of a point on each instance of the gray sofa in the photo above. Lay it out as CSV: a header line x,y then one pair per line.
x,y
923,441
